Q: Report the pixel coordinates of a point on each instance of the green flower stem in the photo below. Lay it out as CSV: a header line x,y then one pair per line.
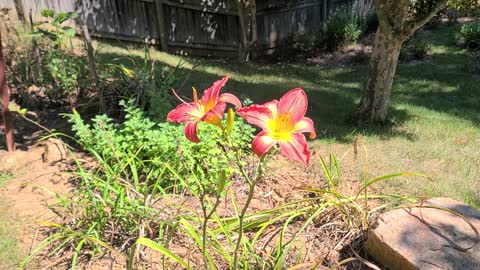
x,y
251,185
206,217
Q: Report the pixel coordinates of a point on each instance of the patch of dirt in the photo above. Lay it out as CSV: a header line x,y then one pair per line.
x,y
357,54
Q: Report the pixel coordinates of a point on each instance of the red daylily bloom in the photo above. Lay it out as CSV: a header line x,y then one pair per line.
x,y
282,122
210,109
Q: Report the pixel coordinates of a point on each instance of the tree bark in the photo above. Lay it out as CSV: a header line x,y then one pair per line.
x,y
383,63
398,21
247,17
243,46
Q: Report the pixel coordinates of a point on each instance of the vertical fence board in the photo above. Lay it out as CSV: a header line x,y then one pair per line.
x,y
210,25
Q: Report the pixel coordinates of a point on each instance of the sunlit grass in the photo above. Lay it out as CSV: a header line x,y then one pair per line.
x,y
9,257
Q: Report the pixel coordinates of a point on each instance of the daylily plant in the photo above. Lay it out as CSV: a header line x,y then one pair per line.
x,y
210,109
283,123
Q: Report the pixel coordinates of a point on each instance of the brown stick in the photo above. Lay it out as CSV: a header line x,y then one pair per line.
x,y
87,40
5,100
36,54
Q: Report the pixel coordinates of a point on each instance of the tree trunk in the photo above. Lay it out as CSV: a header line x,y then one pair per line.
x,y
243,46
383,63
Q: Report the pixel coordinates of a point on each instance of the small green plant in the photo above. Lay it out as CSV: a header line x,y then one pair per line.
x,y
4,177
471,33
54,29
66,71
340,30
416,48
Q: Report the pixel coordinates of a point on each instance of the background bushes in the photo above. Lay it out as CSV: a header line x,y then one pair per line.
x,y
471,33
416,48
340,30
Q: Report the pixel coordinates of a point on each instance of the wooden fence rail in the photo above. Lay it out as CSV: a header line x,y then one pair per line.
x,y
191,26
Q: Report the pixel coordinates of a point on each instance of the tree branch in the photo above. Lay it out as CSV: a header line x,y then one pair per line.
x,y
413,26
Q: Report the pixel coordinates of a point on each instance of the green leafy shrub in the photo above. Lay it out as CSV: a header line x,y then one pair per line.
x,y
303,42
136,163
471,33
68,73
145,84
159,143
416,48
340,30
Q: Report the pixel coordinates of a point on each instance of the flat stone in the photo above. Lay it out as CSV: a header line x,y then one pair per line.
x,y
55,151
427,238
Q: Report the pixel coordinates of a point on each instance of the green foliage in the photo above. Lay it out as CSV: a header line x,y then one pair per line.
x,y
115,200
340,30
144,83
54,29
463,5
471,33
303,42
159,144
68,73
416,48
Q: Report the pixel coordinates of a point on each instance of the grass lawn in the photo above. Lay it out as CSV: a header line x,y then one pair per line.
x,y
434,110
9,256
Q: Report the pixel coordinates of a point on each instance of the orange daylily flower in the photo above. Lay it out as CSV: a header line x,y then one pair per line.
x,y
209,109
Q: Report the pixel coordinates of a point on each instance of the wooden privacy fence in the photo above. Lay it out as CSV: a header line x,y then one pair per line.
x,y
205,27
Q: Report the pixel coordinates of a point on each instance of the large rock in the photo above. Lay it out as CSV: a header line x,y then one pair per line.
x,y
426,238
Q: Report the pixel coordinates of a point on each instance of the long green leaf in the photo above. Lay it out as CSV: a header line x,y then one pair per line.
x,y
161,249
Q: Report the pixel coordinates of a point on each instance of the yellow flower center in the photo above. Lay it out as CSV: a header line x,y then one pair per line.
x,y
281,127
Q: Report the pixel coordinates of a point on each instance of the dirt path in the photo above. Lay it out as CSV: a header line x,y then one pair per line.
x,y
38,174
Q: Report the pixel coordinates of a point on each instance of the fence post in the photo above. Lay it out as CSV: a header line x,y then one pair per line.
x,y
161,25
325,10
5,100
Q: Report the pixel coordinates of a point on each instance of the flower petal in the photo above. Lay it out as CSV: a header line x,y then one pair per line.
x,y
294,102
257,115
190,132
272,106
215,115
229,98
262,143
305,125
184,112
210,95
296,148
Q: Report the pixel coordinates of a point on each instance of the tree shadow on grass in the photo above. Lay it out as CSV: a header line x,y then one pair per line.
x,y
442,86
332,93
